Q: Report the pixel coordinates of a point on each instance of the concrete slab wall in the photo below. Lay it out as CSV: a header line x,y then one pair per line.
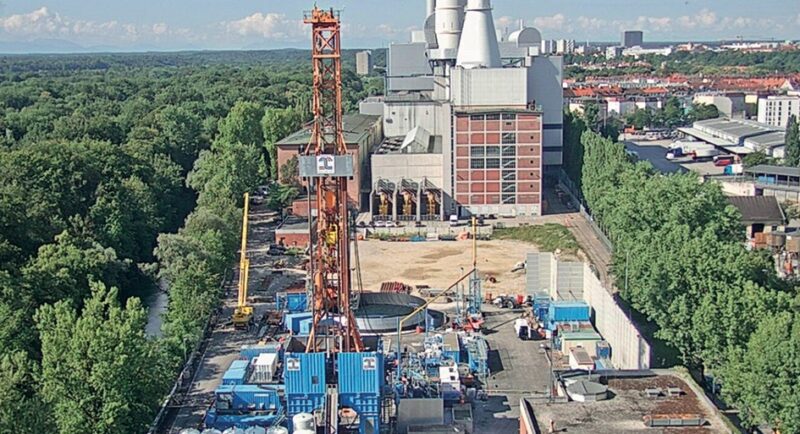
x,y
537,273
569,280
629,350
419,411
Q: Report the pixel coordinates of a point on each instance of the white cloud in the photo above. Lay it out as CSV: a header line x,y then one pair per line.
x,y
268,26
591,23
45,23
797,20
555,22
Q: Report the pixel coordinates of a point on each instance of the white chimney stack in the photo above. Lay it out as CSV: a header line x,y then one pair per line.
x,y
449,20
478,47
431,8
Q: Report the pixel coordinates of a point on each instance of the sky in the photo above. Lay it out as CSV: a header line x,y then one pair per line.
x,y
141,25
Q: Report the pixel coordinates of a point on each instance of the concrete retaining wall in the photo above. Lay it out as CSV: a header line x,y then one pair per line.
x,y
565,280
629,350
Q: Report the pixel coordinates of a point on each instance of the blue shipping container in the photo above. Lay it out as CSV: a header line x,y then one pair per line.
x,y
292,321
305,327
224,421
292,302
603,349
236,374
304,376
360,373
561,311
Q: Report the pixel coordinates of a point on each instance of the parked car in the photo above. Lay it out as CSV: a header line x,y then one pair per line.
x,y
380,224
391,224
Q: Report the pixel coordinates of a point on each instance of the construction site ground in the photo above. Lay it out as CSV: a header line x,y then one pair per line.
x,y
440,263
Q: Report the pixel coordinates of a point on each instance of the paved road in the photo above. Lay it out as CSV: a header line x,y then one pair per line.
x,y
518,369
656,155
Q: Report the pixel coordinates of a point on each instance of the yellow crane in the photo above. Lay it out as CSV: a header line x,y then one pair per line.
x,y
243,314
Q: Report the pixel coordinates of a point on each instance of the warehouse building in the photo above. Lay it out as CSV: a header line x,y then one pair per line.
x,y
739,136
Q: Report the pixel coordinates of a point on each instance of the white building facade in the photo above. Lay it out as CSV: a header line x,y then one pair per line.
x,y
776,110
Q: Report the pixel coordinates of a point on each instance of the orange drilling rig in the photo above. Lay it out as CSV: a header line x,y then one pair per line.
x,y
327,166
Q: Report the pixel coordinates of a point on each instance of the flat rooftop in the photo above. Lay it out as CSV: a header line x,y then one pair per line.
x,y
356,127
625,412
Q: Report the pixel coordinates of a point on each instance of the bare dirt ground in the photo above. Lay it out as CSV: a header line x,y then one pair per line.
x,y
439,263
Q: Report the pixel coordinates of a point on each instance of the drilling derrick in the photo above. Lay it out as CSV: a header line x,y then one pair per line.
x,y
327,166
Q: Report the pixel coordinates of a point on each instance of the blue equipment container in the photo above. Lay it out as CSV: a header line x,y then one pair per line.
x,y
292,321
292,302
224,421
305,327
236,373
361,381
603,350
304,376
564,311
247,398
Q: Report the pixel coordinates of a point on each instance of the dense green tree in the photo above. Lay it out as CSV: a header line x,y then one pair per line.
x,y
63,270
763,379
278,124
99,371
227,171
180,131
792,149
701,112
21,408
574,127
756,158
243,125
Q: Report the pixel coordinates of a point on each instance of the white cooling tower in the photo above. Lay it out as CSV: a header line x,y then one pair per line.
x,y
478,47
449,19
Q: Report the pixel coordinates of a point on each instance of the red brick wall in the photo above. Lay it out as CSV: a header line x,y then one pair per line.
x,y
480,146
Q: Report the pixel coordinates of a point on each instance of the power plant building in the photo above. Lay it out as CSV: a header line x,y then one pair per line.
x,y
470,123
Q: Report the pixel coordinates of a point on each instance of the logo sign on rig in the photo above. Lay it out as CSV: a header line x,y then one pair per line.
x,y
292,364
313,166
326,164
369,363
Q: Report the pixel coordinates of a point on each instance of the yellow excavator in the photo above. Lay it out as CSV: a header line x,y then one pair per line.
x,y
243,314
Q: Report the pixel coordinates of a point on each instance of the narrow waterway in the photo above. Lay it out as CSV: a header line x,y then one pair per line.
x,y
156,304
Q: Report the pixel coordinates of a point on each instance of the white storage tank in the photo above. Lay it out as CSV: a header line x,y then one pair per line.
x,y
277,430
256,430
190,431
233,430
305,431
304,421
212,431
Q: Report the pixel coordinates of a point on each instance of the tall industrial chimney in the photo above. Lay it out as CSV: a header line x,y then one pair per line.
x,y
449,19
478,47
431,8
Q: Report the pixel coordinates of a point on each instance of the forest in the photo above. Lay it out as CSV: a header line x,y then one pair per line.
x,y
709,63
678,246
117,171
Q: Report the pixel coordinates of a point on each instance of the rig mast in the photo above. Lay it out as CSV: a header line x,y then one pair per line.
x,y
328,166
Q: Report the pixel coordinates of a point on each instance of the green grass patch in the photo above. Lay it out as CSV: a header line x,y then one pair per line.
x,y
548,237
